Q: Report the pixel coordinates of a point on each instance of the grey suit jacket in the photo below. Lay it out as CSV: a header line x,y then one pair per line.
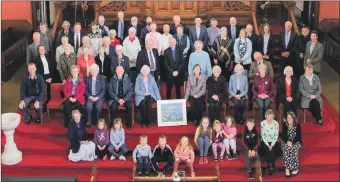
x,y
31,53
316,57
307,90
254,69
193,36
243,84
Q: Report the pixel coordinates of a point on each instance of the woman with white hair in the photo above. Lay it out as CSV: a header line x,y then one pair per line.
x,y
80,148
131,47
200,57
86,43
288,89
165,38
242,50
74,90
102,28
156,37
220,51
269,136
84,61
95,93
217,90
95,38
106,45
61,49
113,38
264,90
147,93
238,92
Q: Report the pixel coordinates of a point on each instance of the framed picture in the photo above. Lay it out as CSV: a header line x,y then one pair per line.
x,y
171,112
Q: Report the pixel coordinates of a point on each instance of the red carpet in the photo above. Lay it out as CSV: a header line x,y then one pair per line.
x,y
45,146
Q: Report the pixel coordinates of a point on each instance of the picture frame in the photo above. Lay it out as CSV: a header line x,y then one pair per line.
x,y
171,112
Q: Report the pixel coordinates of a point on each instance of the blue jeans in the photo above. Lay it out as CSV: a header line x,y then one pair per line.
x,y
122,150
89,108
143,163
203,143
28,101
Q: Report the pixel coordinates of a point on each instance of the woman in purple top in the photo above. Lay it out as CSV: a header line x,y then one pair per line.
x,y
264,90
101,139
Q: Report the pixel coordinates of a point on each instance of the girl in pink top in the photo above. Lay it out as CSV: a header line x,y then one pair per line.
x,y
184,153
230,132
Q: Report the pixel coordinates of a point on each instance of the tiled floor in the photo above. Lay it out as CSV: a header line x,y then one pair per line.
x,y
10,90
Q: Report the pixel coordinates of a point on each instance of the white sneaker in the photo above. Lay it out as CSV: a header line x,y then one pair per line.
x,y
112,157
122,158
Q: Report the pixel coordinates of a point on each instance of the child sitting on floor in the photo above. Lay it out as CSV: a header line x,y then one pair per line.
x,y
142,155
117,141
184,153
101,139
230,137
162,153
203,139
217,138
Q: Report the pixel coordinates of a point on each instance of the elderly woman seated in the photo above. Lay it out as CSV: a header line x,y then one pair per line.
x,y
74,90
86,43
80,148
263,90
94,93
238,89
120,93
147,93
311,90
288,91
217,91
195,93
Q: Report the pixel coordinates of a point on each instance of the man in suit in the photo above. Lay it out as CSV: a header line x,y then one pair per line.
x,y
301,47
120,60
94,93
65,31
149,56
252,37
233,29
46,38
120,93
173,27
32,50
254,67
76,37
174,66
121,26
198,32
314,52
287,45
134,23
145,31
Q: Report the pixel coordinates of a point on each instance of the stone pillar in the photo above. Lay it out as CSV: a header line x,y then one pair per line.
x,y
11,154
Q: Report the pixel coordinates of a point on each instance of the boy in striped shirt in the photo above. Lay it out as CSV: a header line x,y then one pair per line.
x,y
142,155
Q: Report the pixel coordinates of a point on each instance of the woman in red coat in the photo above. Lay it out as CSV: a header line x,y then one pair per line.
x,y
84,62
74,98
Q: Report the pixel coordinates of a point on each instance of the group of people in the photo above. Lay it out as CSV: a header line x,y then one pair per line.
x,y
125,65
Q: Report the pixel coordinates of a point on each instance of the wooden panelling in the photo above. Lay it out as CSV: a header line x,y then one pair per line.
x,y
175,6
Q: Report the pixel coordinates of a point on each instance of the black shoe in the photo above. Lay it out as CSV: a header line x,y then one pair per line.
x,y
221,159
320,122
28,121
143,125
37,121
250,174
140,174
146,174
229,157
129,127
88,124
216,158
234,156
149,125
271,169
